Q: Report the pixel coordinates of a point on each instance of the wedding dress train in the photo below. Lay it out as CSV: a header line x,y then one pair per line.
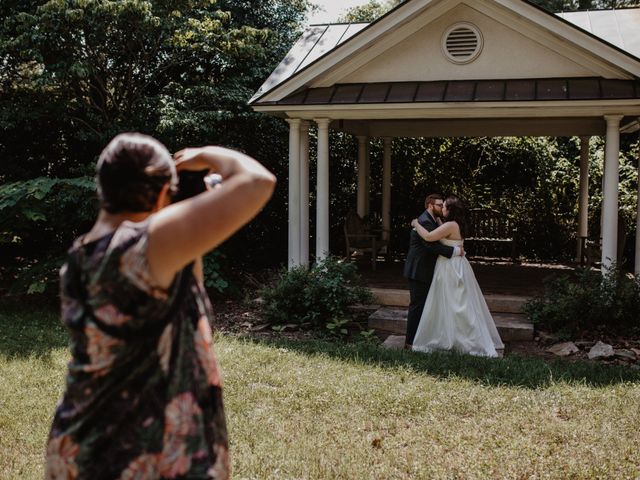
x,y
455,315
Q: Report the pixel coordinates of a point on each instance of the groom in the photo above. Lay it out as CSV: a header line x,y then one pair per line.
x,y
421,263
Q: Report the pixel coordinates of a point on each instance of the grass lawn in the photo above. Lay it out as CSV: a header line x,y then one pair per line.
x,y
313,409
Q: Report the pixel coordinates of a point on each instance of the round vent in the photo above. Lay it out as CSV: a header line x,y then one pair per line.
x,y
462,43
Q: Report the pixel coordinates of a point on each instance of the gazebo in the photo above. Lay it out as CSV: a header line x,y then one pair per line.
x,y
434,68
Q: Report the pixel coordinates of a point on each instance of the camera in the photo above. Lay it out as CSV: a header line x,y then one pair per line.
x,y
190,184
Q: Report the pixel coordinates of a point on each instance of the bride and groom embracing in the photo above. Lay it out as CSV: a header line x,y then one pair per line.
x,y
447,310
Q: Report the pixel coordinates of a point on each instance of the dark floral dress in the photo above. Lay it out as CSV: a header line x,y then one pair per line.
x,y
143,395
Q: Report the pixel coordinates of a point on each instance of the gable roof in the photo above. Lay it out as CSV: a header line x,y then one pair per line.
x,y
618,30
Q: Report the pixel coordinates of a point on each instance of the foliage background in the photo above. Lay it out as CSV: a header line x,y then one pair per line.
x,y
75,72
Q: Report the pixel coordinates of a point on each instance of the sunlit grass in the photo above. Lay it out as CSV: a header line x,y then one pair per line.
x,y
318,409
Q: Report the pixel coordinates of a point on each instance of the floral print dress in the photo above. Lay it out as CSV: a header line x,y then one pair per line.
x,y
143,395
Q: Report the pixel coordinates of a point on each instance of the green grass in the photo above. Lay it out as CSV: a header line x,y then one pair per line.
x,y
314,409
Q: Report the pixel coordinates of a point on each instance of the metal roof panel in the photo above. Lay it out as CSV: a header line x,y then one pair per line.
x,y
328,41
402,92
374,93
620,28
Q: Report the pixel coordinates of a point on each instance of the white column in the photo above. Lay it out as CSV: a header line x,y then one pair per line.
x,y
583,201
322,210
610,192
362,176
304,193
293,254
386,188
637,262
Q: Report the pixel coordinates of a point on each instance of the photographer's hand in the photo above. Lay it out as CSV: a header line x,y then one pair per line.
x,y
224,161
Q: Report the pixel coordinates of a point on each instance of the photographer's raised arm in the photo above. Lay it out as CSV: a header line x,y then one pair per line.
x,y
184,231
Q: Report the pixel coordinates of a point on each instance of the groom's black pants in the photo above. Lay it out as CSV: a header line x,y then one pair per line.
x,y
418,292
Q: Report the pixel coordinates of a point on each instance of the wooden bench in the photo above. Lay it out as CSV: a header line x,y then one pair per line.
x,y
487,228
359,237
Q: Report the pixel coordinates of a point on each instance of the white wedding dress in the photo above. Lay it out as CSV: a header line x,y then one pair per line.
x,y
455,315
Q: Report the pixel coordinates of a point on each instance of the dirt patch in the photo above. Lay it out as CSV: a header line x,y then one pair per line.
x,y
243,319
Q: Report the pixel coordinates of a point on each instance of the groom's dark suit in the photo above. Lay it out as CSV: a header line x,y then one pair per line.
x,y
418,268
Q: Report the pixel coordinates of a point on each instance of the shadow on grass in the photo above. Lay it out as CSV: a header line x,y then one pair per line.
x,y
28,329
510,371
35,330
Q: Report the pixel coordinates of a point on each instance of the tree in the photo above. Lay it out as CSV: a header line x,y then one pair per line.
x,y
73,73
87,69
376,8
573,5
369,11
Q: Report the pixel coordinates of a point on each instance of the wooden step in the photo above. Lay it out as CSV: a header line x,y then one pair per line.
x,y
511,326
395,297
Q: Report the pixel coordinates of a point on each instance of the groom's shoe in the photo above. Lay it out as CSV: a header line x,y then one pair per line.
x,y
408,346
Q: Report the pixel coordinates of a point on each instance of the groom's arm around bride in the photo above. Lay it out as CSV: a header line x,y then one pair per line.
x,y
421,261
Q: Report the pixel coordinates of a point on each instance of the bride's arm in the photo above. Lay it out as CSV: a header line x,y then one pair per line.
x,y
442,231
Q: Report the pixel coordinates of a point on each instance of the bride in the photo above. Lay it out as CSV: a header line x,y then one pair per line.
x,y
455,315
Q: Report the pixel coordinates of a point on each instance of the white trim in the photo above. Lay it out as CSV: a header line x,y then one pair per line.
x,y
524,109
631,127
477,127
362,40
378,45
564,38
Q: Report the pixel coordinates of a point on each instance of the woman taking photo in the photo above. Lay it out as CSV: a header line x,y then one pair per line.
x,y
143,396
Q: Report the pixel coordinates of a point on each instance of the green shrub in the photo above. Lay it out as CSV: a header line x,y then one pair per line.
x,y
319,295
212,269
591,301
39,218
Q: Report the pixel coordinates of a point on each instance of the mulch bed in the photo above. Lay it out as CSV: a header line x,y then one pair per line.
x,y
238,318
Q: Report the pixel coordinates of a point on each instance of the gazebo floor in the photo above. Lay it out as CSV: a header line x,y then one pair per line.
x,y
494,277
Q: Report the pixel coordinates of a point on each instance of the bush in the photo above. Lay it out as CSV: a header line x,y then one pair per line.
x,y
39,219
591,301
212,269
318,296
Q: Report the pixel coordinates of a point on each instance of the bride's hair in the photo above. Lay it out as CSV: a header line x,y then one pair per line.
x,y
457,212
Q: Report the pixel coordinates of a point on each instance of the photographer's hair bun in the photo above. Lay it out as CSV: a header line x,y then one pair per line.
x,y
131,171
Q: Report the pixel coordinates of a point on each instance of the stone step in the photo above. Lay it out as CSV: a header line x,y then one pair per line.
x,y
511,326
396,297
